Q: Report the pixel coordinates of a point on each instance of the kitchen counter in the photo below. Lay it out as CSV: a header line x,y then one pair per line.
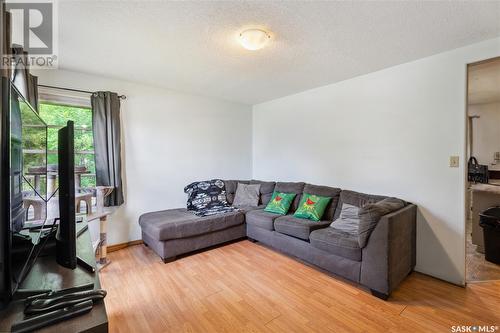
x,y
493,186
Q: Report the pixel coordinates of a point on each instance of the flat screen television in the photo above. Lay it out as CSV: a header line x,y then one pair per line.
x,y
24,222
66,232
5,284
23,197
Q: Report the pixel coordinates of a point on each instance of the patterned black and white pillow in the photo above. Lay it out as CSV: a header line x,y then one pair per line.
x,y
206,195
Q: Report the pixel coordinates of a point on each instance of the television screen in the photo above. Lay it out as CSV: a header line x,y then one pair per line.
x,y
28,184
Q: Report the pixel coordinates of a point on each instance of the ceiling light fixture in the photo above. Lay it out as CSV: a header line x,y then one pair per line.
x,y
254,39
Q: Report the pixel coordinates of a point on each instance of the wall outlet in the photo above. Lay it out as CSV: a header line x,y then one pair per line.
x,y
454,161
496,156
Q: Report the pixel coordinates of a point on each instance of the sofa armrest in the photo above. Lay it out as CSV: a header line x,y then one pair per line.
x,y
390,254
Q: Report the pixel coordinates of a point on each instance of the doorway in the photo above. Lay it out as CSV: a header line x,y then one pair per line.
x,y
483,154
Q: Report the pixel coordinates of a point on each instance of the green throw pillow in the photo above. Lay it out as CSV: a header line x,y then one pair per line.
x,y
280,203
312,207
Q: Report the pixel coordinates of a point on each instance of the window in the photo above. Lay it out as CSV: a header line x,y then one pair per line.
x,y
56,116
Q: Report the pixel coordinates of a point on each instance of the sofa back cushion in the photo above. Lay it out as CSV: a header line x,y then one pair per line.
x,y
356,199
370,214
289,187
231,186
325,191
266,190
247,195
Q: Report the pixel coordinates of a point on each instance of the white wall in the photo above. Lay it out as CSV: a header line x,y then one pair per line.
x,y
486,132
390,132
169,140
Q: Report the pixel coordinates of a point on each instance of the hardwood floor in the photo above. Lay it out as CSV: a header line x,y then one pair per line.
x,y
246,287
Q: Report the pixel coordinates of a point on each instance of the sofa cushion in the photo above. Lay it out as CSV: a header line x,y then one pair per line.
x,y
231,186
181,223
370,214
356,199
287,187
336,242
325,191
246,209
262,219
247,195
297,227
266,190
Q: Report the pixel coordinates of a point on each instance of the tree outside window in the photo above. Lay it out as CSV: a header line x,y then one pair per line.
x,y
56,116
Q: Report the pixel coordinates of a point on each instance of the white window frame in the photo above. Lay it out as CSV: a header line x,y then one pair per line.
x,y
66,98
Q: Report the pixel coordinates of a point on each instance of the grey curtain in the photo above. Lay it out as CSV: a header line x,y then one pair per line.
x,y
26,83
33,91
107,145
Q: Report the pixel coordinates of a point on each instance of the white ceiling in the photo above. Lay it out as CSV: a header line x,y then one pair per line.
x,y
192,47
484,82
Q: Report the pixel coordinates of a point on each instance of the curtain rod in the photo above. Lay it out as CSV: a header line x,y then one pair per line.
x,y
76,90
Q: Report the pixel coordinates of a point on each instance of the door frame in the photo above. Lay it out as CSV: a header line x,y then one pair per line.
x,y
466,157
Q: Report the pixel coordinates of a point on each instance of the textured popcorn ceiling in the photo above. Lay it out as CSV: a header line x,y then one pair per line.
x,y
192,46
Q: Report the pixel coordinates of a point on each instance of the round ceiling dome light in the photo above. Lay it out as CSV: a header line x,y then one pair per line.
x,y
254,39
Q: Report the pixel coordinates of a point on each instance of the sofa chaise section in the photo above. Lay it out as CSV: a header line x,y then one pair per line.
x,y
177,231
181,223
174,232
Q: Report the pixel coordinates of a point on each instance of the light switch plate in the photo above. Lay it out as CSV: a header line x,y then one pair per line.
x,y
454,161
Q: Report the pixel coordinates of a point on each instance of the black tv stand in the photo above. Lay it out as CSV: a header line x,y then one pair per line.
x,y
83,264
46,275
49,248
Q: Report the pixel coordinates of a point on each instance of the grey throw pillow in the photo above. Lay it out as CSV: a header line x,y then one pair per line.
x,y
246,195
370,214
348,220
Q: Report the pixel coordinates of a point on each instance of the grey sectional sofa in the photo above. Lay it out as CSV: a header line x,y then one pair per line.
x,y
381,265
